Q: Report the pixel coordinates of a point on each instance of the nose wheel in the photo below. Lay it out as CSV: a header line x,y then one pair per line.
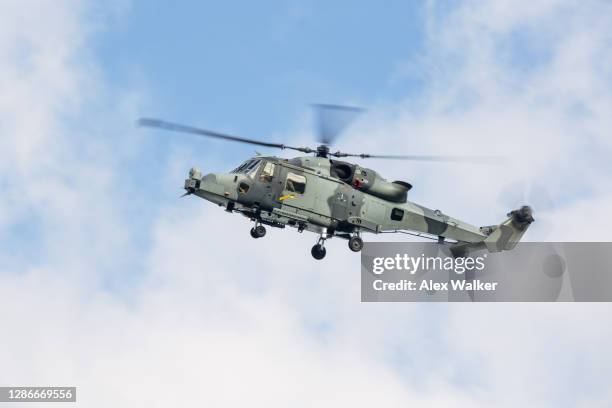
x,y
318,251
258,231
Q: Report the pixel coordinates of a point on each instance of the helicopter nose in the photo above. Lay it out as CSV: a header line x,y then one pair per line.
x,y
192,184
195,173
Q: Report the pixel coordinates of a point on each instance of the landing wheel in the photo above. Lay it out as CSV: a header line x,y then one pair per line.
x,y
258,231
355,244
318,251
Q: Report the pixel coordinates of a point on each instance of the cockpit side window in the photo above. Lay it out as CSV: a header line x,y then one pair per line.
x,y
267,173
295,183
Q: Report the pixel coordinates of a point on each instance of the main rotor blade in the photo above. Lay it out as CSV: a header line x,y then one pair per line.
x,y
455,159
176,127
333,119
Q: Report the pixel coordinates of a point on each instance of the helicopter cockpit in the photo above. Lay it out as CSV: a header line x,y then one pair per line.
x,y
249,167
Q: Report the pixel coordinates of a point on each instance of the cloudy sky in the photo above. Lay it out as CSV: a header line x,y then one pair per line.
x,y
110,283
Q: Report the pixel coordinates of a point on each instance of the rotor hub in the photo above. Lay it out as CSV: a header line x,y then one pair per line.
x,y
322,151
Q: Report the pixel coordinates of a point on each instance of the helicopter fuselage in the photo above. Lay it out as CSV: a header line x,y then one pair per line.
x,y
305,193
335,198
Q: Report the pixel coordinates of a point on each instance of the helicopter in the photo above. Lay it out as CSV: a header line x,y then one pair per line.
x,y
319,193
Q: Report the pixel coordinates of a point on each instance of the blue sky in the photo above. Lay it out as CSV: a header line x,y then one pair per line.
x,y
253,69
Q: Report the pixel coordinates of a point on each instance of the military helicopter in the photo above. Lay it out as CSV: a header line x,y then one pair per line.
x,y
336,198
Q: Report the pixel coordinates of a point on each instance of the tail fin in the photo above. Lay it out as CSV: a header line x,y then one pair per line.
x,y
506,235
500,237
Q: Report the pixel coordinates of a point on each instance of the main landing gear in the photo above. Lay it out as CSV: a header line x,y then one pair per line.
x,y
258,231
355,243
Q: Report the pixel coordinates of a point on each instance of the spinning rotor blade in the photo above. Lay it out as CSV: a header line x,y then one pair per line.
x,y
175,127
327,134
456,159
333,119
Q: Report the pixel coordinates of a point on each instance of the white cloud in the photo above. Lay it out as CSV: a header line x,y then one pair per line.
x,y
214,316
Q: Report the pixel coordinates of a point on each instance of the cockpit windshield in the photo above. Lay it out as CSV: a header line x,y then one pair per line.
x,y
249,167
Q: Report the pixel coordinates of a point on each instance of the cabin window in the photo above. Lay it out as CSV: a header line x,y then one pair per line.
x,y
296,183
267,173
397,214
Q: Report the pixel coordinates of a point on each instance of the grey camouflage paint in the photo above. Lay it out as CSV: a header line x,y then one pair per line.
x,y
331,206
